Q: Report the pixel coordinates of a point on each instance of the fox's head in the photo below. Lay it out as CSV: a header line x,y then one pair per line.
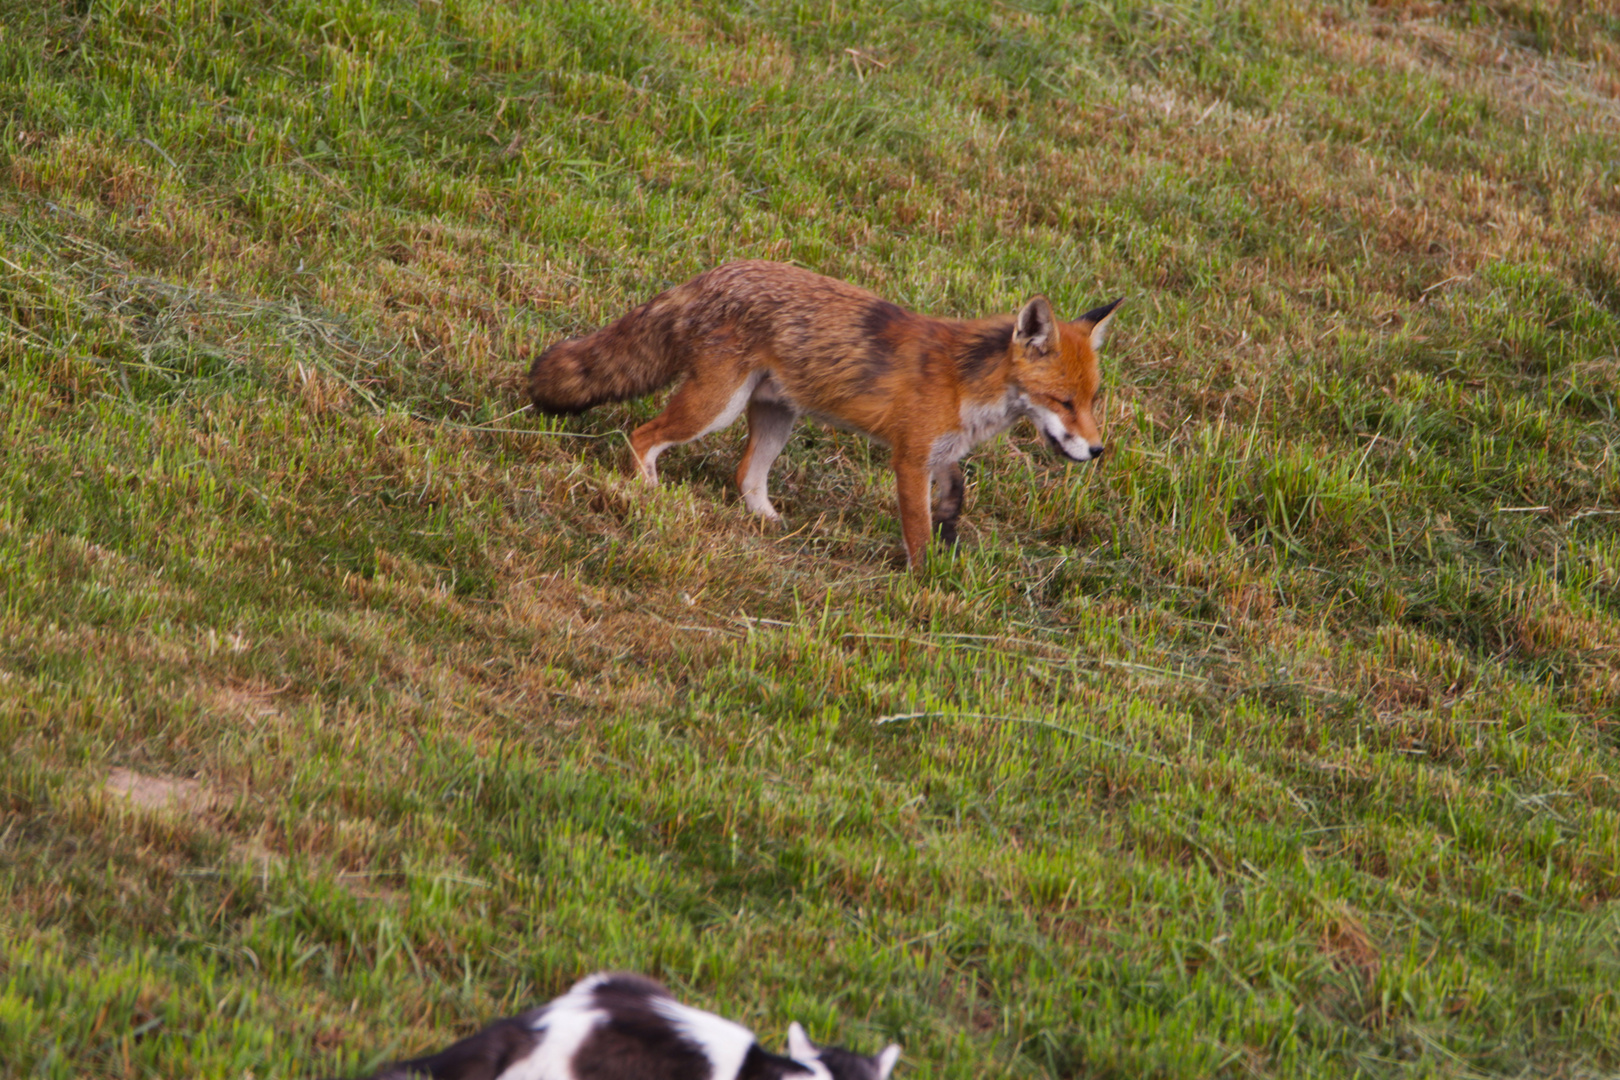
x,y
1056,369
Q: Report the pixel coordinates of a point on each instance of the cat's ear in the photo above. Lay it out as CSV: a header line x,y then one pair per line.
x,y
886,1060
800,1048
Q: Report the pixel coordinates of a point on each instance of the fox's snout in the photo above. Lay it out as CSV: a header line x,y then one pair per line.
x,y
1075,448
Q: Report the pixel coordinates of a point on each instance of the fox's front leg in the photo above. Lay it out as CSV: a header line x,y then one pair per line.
x,y
952,486
911,490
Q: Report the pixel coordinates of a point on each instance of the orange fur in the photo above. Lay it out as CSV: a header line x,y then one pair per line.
x,y
781,342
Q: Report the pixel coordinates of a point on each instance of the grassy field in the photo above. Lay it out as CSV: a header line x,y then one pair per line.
x,y
346,705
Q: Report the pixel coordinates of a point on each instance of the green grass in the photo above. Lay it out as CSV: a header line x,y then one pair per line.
x,y
1281,743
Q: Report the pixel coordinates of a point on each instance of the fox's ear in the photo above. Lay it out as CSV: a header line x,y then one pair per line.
x,y
1036,327
1099,319
886,1060
800,1048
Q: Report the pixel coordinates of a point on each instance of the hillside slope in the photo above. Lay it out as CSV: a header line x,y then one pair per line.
x,y
347,704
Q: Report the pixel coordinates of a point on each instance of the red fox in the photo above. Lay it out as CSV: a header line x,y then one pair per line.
x,y
781,342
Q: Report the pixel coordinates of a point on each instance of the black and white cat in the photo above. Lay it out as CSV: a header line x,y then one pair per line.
x,y
617,1026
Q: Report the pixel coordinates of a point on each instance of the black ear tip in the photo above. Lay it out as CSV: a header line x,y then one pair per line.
x,y
1097,315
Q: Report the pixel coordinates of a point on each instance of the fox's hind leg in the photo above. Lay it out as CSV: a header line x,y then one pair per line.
x,y
952,486
769,425
705,402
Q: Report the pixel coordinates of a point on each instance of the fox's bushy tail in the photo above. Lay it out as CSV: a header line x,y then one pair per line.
x,y
635,354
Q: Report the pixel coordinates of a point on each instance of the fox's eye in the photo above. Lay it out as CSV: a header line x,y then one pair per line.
x,y
1067,403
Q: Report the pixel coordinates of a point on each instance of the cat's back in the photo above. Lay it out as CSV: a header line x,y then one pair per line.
x,y
608,1026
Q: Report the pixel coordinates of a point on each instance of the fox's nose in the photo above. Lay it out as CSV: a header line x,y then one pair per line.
x,y
1097,452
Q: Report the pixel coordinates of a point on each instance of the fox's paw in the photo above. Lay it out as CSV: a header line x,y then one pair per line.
x,y
761,507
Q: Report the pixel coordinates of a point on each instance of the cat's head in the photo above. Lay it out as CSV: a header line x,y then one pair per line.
x,y
841,1064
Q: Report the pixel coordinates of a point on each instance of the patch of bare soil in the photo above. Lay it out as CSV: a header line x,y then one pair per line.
x,y
159,792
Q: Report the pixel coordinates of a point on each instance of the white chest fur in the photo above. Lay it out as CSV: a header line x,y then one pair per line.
x,y
979,421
